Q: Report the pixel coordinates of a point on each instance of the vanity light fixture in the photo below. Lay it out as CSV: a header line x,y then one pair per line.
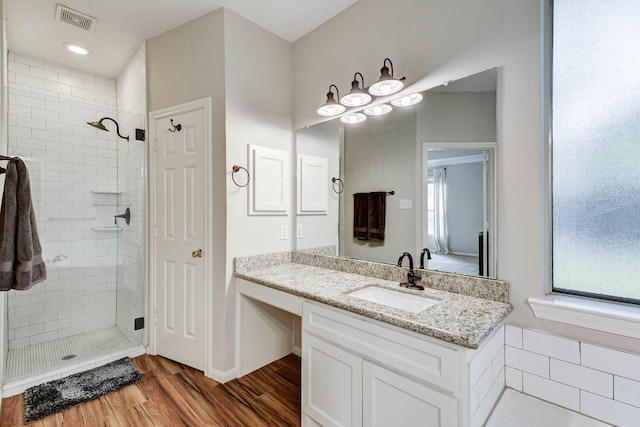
x,y
353,118
378,110
405,101
386,84
358,96
331,107
77,49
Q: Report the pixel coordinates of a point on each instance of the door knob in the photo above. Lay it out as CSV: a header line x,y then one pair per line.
x,y
197,253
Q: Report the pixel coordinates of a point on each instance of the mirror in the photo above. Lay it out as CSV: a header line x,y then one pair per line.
x,y
453,129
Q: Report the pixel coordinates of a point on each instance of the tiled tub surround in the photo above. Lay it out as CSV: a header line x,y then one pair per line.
x,y
599,382
456,318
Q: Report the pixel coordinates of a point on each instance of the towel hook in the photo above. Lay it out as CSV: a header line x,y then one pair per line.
x,y
177,127
237,169
340,185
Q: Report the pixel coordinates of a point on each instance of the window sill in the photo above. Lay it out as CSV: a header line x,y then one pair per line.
x,y
603,316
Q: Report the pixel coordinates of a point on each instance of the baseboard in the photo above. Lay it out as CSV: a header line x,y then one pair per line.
x,y
222,377
297,350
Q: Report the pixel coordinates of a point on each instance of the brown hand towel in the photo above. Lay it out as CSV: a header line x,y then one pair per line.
x,y
377,208
361,216
21,263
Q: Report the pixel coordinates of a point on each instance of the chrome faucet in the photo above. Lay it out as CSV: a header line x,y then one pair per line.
x,y
428,252
412,277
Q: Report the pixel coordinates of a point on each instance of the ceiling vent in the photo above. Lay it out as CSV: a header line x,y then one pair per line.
x,y
75,18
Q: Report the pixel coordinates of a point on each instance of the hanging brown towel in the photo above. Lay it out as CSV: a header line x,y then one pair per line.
x,y
361,216
377,208
21,263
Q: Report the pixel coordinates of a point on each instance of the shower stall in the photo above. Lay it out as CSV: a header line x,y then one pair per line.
x,y
91,309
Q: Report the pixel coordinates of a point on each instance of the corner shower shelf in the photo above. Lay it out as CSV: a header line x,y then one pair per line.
x,y
106,228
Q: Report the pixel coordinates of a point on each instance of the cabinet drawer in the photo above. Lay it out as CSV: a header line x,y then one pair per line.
x,y
394,347
274,297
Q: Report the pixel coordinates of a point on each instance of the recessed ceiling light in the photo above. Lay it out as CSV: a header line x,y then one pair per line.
x,y
77,49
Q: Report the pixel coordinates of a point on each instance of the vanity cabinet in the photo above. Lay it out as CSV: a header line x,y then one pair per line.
x,y
359,372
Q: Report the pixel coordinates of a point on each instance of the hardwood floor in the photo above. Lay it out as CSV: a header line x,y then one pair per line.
x,y
176,395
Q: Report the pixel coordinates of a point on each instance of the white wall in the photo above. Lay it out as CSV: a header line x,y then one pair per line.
x,y
258,111
433,41
247,72
185,64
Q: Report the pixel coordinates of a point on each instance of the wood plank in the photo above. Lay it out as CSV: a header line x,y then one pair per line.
x,y
176,395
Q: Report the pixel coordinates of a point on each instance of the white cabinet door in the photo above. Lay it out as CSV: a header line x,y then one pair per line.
x,y
331,384
391,399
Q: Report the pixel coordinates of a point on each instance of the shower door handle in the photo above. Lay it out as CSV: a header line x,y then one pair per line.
x,y
197,253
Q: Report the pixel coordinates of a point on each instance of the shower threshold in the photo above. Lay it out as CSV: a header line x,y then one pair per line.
x,y
28,366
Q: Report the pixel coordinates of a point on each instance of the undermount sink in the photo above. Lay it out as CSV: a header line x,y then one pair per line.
x,y
395,299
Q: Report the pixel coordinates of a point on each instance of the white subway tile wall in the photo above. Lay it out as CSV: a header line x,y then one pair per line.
x,y
49,106
132,178
486,377
599,382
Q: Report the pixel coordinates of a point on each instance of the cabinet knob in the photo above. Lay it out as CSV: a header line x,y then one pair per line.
x,y
197,253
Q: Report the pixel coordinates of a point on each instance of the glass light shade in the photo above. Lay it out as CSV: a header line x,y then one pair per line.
x,y
357,96
353,118
386,87
378,110
356,99
331,107
405,101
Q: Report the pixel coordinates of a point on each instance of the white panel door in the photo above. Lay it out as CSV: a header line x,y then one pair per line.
x,y
179,238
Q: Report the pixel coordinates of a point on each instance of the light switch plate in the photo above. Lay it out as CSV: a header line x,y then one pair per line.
x,y
299,231
405,203
284,232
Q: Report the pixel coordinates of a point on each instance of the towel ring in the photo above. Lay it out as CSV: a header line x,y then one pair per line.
x,y
340,185
236,169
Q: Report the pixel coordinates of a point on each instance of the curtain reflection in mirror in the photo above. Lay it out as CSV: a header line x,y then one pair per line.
x,y
440,233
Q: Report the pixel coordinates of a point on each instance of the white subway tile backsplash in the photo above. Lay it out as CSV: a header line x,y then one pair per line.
x,y
529,362
551,391
627,391
582,377
513,336
610,411
609,360
513,378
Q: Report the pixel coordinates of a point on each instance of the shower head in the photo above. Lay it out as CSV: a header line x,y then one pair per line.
x,y
100,126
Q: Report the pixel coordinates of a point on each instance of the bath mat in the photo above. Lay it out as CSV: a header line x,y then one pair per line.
x,y
56,396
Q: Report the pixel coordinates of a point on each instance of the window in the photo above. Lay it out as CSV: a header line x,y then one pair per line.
x,y
430,208
595,148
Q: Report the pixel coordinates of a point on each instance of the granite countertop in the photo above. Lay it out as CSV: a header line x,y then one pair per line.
x,y
458,319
